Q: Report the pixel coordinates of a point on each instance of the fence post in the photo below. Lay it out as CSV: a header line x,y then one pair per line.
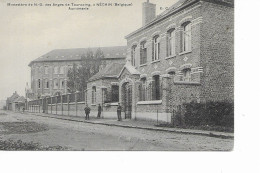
x,y
76,102
56,103
39,105
61,101
51,105
68,101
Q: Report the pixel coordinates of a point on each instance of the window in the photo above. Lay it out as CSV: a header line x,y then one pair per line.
x,y
156,88
93,95
133,55
156,48
46,83
56,83
61,83
171,42
186,74
115,93
39,83
46,70
56,70
143,53
142,89
62,70
186,37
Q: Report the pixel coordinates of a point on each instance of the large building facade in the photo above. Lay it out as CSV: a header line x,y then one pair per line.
x,y
183,55
49,72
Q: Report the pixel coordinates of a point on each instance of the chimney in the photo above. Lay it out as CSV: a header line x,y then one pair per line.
x,y
149,12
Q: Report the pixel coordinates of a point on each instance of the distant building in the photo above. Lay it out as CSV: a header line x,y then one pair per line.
x,y
15,102
49,72
183,55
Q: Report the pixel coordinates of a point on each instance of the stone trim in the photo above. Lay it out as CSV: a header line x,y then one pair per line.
x,y
186,52
185,66
155,73
156,33
115,83
185,19
143,76
186,83
171,26
151,102
143,39
171,69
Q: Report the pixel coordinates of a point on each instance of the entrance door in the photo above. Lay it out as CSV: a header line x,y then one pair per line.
x,y
127,89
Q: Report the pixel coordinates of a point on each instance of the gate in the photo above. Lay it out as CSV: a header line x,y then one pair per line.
x,y
127,100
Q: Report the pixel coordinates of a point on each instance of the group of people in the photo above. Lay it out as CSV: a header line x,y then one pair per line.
x,y
87,111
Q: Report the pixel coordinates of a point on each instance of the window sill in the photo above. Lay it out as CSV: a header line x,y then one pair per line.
x,y
143,65
155,61
152,102
169,57
186,52
114,104
186,83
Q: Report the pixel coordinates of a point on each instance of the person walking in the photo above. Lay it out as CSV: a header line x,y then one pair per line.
x,y
119,109
99,111
87,112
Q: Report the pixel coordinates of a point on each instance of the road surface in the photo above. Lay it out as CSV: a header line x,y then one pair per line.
x,y
72,135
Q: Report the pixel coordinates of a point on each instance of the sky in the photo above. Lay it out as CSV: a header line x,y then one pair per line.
x,y
26,33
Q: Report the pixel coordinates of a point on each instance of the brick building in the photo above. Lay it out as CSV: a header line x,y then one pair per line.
x,y
184,54
49,72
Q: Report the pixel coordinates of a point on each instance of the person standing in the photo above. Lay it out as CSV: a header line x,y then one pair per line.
x,y
119,109
87,112
99,111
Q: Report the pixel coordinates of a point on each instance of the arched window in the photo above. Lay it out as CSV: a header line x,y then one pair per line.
x,y
56,83
93,95
61,83
186,37
46,83
39,83
186,74
171,42
156,48
46,70
62,70
133,55
143,53
56,70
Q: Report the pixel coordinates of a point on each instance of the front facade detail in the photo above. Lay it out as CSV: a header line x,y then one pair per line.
x,y
183,55
49,72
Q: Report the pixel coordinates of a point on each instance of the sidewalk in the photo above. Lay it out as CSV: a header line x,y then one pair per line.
x,y
139,124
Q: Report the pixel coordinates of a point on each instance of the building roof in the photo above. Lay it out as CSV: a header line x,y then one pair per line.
x,y
111,70
179,5
19,100
75,54
13,97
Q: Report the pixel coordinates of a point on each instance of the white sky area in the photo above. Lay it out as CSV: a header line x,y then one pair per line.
x,y
26,33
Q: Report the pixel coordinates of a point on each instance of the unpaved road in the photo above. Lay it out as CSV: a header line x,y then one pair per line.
x,y
83,136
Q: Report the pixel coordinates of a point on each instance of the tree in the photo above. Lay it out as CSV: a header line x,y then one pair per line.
x,y
89,66
73,78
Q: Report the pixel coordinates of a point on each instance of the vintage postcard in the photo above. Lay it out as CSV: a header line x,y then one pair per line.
x,y
117,75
